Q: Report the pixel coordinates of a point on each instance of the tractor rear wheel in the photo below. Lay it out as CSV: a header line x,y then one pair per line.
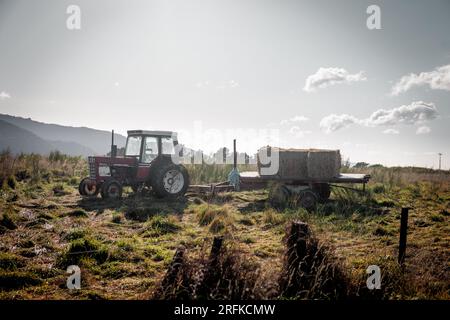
x,y
111,189
323,190
88,188
170,181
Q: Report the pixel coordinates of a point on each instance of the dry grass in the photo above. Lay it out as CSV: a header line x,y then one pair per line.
x,y
125,247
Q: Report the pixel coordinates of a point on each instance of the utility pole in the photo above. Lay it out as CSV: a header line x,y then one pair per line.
x,y
440,155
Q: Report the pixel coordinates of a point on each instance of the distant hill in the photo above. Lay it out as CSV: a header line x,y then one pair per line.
x,y
70,140
19,140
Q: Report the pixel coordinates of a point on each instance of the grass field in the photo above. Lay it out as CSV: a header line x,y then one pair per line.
x,y
125,247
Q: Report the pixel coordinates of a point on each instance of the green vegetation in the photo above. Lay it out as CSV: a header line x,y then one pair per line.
x,y
125,248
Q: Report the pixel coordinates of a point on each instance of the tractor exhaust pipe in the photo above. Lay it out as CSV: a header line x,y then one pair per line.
x,y
113,146
234,154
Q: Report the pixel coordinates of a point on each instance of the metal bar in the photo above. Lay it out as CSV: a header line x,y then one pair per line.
x,y
349,188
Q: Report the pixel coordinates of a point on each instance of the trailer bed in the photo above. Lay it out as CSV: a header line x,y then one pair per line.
x,y
250,177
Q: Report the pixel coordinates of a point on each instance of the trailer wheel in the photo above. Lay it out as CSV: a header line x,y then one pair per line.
x,y
111,189
323,190
170,181
85,188
279,196
307,200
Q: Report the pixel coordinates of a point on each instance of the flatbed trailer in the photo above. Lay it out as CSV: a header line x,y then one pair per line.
x,y
305,191
253,177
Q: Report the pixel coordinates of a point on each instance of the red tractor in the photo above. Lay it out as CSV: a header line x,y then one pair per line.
x,y
147,163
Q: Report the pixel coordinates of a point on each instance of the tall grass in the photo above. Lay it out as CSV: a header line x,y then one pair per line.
x,y
210,173
35,167
402,176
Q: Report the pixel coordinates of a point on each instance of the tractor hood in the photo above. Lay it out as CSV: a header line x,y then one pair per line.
x,y
100,168
113,160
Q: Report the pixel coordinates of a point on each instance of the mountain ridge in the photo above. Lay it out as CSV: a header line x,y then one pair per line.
x,y
67,139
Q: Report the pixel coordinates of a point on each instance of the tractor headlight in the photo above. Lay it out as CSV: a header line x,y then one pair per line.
x,y
103,171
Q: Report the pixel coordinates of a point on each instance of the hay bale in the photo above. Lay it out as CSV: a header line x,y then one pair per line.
x,y
304,163
323,164
292,162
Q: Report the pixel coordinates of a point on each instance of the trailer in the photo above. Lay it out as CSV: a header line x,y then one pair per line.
x,y
306,192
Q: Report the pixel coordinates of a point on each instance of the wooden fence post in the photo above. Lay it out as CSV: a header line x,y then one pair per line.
x,y
403,234
215,249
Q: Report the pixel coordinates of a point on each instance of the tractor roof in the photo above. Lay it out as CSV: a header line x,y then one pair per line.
x,y
152,133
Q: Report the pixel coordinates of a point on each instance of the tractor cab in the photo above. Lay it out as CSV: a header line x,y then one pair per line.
x,y
147,163
146,146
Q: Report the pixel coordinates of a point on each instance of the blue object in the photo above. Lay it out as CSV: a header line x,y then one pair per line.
x,y
234,178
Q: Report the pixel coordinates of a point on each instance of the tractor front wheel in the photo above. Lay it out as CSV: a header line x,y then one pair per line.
x,y
87,187
170,181
111,189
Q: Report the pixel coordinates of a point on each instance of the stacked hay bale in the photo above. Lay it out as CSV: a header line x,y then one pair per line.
x,y
323,164
300,164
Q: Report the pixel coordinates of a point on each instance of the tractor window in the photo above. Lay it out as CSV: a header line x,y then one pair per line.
x,y
150,149
133,146
167,146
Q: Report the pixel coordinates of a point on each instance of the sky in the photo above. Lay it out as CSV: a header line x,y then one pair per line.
x,y
300,74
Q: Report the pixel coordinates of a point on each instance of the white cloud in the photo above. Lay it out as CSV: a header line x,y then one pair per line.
x,y
439,78
325,77
423,130
391,131
334,122
294,119
4,95
415,113
298,133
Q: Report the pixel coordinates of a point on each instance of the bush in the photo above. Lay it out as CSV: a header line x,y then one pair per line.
x,y
15,280
9,261
75,233
11,182
437,218
7,221
80,213
82,248
273,218
117,217
58,190
159,225
22,175
217,225
311,269
378,188
206,213
226,274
